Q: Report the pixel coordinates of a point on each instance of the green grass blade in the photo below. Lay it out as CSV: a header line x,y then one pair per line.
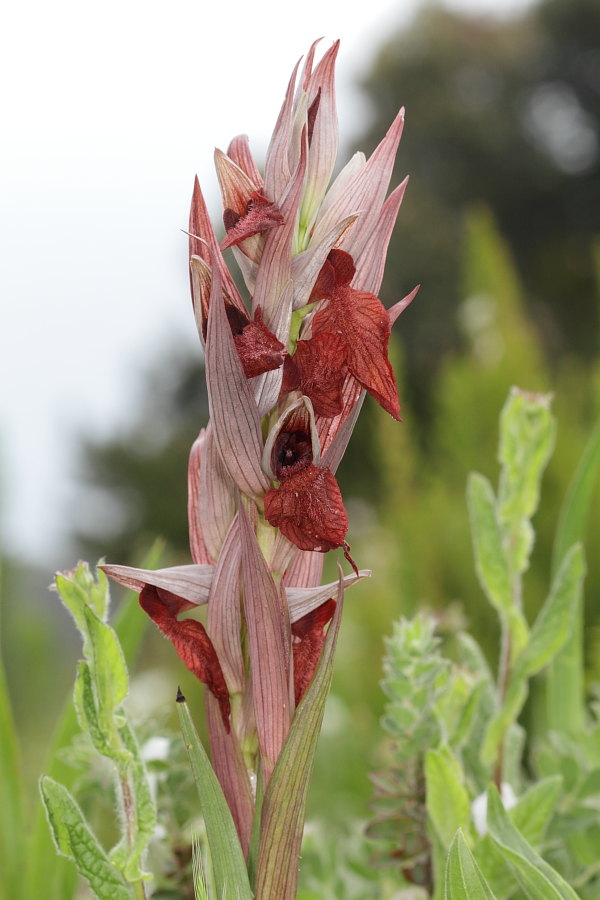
x,y
538,879
565,677
228,863
13,848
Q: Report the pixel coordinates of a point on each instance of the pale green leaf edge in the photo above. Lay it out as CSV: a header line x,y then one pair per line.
x,y
228,863
464,879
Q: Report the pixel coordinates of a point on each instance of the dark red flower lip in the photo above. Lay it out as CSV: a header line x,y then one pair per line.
x,y
191,641
298,417
260,215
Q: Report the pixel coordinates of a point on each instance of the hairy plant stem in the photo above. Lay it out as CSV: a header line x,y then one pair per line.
x,y
130,824
503,679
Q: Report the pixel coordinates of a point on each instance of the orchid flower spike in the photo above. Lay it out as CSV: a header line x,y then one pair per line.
x,y
288,363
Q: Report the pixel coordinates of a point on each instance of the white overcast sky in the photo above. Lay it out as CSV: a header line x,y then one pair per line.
x,y
108,110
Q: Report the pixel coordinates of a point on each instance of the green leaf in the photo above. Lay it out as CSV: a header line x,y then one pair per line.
x,y
527,435
85,707
490,557
491,560
533,811
74,839
284,802
107,666
565,679
555,619
447,798
464,880
537,878
229,866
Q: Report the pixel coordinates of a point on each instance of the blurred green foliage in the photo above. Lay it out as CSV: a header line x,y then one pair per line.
x,y
505,113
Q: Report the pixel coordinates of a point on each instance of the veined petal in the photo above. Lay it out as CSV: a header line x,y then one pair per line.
x,y
335,434
307,68
201,276
323,140
207,248
228,763
307,265
267,619
190,640
239,152
266,387
233,412
224,611
334,196
215,502
303,601
236,186
328,429
190,583
198,549
399,307
370,265
365,193
305,570
247,267
277,170
274,272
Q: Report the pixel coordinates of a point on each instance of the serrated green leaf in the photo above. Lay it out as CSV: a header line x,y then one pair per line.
x,y
553,624
74,839
448,803
464,879
229,866
527,435
284,802
537,878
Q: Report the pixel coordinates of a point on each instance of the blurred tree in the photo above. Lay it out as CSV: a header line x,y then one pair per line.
x,y
506,113
503,113
135,484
